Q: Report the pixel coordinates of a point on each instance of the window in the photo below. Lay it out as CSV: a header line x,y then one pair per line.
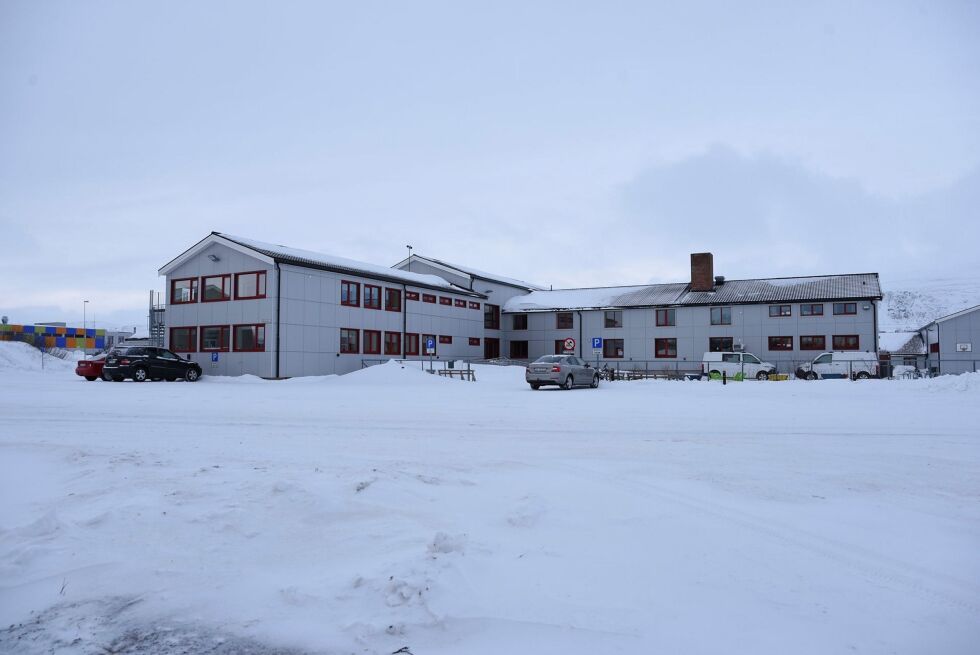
x,y
721,315
350,341
411,295
614,319
520,321
428,297
474,305
518,349
844,308
445,339
215,338
777,311
372,342
393,343
216,288
249,285
491,348
847,342
350,294
780,343
249,338
459,303
443,300
666,317
183,339
934,347
720,344
372,299
612,348
559,346
491,317
811,310
425,341
813,342
183,290
665,348
474,341
411,344
393,300
564,321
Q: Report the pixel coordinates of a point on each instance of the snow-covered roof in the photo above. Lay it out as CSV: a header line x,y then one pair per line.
x,y
731,292
309,258
948,317
901,343
473,272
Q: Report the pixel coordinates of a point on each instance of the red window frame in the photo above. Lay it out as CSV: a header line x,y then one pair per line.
x,y
846,309
443,300
459,303
259,338
782,311
520,322
811,309
610,351
813,342
445,339
474,305
345,293
195,286
192,340
372,297
393,343
428,297
224,338
721,348
665,348
560,322
225,290
260,285
411,343
372,342
357,341
842,341
781,343
393,300
474,341
411,295
666,317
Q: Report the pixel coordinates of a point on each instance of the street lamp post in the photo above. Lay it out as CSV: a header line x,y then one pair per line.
x,y
409,257
84,314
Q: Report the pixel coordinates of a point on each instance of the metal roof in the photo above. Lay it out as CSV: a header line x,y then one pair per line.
x,y
860,286
476,273
948,317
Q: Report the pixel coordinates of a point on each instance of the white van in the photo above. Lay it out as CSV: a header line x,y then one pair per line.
x,y
737,366
840,364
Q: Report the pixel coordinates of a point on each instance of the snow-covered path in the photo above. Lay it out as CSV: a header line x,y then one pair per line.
x,y
391,508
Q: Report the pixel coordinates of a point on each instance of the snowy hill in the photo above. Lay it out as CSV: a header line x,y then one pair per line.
x,y
910,304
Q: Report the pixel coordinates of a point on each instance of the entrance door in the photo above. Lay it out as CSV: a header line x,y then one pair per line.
x,y
491,348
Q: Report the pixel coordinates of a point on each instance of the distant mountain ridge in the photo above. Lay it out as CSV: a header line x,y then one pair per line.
x,y
910,304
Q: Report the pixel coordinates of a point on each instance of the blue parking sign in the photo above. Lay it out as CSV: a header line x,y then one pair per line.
x,y
430,345
214,357
597,342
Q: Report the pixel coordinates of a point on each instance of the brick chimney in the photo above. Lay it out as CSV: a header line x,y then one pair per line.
x,y
702,272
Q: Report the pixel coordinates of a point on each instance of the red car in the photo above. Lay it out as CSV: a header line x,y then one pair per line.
x,y
90,369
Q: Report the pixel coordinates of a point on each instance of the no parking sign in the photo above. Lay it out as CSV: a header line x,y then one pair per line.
x,y
569,344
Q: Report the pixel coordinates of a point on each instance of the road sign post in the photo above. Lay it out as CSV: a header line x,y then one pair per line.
x,y
569,345
430,349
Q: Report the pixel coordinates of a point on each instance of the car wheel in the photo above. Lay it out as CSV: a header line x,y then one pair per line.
x,y
811,375
192,375
595,382
863,375
568,383
91,378
140,374
762,375
535,386
106,377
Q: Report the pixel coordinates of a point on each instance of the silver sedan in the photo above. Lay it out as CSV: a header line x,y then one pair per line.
x,y
565,371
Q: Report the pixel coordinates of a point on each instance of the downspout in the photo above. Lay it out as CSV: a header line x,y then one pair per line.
x,y
581,348
278,300
404,321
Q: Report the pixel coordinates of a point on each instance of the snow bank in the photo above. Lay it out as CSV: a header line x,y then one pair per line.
x,y
963,383
20,357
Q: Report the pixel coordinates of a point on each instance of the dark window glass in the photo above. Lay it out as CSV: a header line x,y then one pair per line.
x,y
350,294
518,349
411,344
811,309
393,300
349,341
666,317
813,343
183,339
614,319
445,339
847,342
428,297
372,300
182,291
249,338
776,311
215,338
721,315
665,348
780,343
720,344
520,321
564,321
216,287
845,308
612,348
250,285
372,342
491,317
393,343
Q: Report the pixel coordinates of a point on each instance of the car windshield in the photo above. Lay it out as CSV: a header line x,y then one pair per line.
x,y
550,359
128,351
751,359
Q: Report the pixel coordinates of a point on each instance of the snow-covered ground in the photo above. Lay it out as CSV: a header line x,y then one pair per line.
x,y
392,509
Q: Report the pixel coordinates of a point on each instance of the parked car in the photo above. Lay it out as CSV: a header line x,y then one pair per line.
x,y
143,363
840,364
91,369
565,371
733,364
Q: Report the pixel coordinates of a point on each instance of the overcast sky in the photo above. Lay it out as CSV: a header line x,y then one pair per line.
x,y
573,145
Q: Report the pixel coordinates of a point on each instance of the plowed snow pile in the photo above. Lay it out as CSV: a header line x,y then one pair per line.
x,y
392,509
16,356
